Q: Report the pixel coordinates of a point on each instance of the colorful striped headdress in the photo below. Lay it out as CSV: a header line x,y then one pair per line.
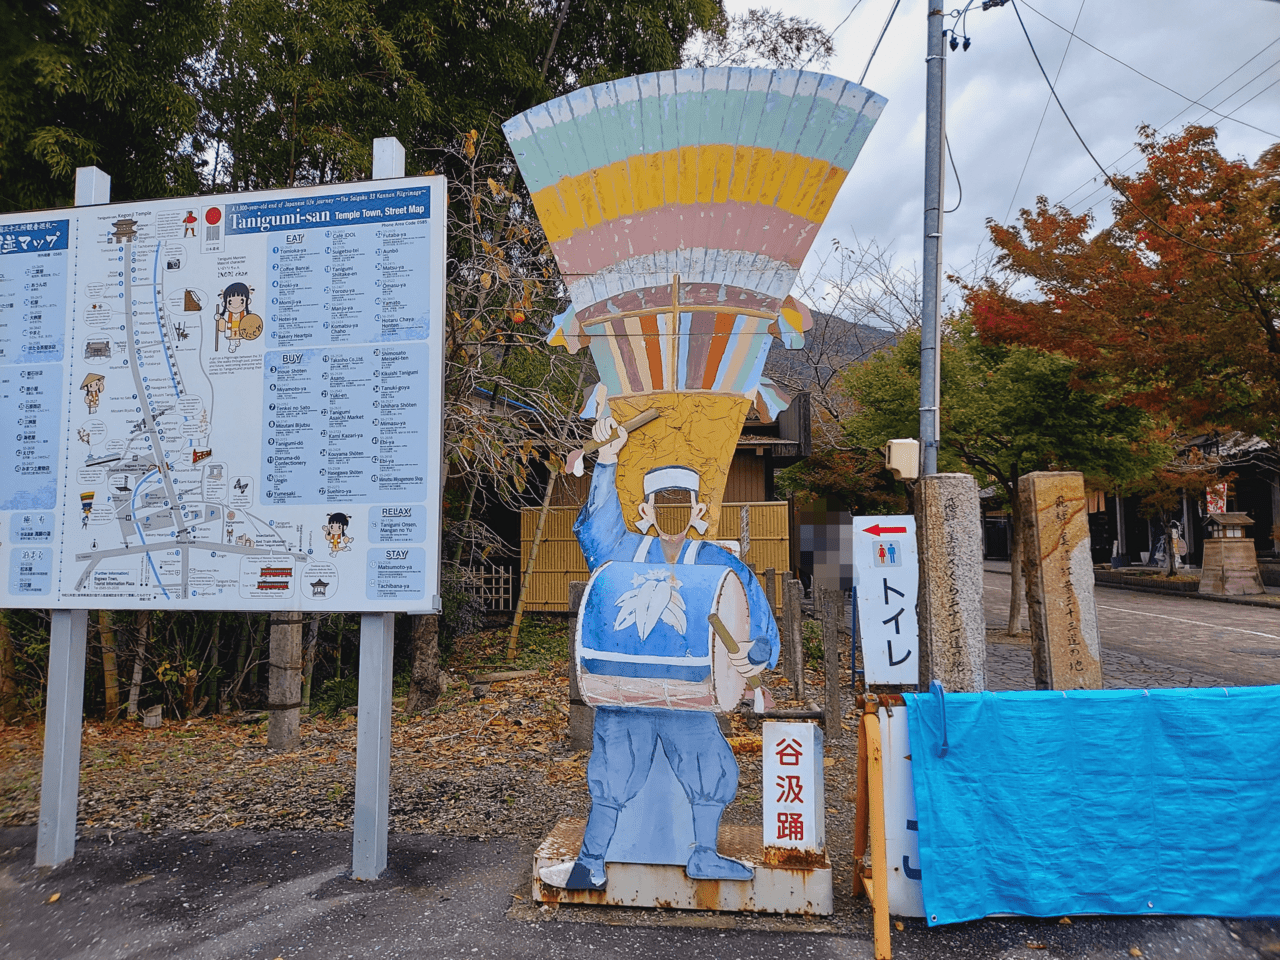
x,y
680,206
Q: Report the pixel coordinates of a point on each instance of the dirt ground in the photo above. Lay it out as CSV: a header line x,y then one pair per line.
x,y
482,766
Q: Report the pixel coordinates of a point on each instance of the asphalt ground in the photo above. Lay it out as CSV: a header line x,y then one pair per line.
x,y
243,895
278,894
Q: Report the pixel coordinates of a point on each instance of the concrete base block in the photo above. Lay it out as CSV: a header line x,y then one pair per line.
x,y
1230,568
803,890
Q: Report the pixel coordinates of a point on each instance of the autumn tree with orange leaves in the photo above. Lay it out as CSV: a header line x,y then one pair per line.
x,y
1174,307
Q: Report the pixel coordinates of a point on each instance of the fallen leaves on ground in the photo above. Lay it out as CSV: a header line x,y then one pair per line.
x,y
495,765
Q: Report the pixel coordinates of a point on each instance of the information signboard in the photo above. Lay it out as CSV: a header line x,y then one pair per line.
x,y
888,570
228,402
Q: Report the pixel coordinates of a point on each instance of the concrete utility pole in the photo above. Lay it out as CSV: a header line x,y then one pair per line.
x,y
934,133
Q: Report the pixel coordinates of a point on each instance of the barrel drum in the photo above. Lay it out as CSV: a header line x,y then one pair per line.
x,y
643,638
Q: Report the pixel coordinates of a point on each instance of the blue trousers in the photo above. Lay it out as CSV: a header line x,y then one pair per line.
x,y
625,742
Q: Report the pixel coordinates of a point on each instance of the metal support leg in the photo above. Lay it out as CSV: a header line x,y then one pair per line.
x,y
373,746
60,781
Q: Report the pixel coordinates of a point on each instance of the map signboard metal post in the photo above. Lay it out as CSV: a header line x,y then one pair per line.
x,y
223,403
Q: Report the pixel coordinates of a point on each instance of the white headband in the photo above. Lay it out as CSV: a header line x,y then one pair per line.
x,y
667,478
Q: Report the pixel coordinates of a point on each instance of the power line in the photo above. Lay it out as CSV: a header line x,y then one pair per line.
x,y
1129,66
856,5
1259,74
1137,209
1184,109
956,171
1043,113
883,31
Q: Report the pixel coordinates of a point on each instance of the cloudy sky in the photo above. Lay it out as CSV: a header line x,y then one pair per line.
x,y
1223,53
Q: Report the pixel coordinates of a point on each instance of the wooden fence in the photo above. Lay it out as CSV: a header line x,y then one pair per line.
x,y
493,584
560,559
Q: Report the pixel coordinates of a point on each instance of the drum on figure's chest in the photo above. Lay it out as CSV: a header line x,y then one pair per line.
x,y
644,640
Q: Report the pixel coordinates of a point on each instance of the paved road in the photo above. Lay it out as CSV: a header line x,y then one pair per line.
x,y
244,895
1151,640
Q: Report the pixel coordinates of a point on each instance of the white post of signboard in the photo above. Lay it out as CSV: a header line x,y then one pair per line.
x,y
60,779
64,710
373,746
388,158
377,634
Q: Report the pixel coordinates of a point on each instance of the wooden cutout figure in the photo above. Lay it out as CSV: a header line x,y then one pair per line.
x,y
652,669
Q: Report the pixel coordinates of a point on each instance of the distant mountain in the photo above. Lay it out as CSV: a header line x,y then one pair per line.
x,y
831,346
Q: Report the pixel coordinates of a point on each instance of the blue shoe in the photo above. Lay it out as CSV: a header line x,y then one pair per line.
x,y
706,864
584,877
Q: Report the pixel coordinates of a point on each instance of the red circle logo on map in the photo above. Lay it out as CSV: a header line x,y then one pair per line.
x,y
213,215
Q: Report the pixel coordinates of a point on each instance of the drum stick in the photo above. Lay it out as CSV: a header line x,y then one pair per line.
x,y
574,460
729,643
763,699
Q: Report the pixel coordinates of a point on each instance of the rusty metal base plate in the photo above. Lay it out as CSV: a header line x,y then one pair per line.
x,y
774,889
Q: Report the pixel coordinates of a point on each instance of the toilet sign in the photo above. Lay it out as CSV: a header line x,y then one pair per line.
x,y
887,567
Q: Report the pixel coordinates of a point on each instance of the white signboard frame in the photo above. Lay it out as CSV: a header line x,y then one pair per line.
x,y
225,403
794,792
887,569
901,830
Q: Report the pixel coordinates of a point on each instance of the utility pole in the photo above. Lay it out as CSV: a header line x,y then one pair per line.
x,y
935,131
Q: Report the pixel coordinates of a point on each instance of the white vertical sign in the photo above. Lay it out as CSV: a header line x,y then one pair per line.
x,y
901,834
794,803
887,569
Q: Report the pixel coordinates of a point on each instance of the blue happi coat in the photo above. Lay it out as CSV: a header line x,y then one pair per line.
x,y
603,535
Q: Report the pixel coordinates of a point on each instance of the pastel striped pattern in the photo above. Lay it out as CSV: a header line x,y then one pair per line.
x,y
720,161
719,176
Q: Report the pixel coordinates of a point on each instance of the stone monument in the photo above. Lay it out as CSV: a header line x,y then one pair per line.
x,y
1058,568
953,624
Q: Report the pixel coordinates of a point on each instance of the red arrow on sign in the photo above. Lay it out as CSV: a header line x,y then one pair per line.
x,y
875,530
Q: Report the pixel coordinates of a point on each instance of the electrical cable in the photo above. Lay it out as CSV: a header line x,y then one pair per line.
x,y
856,5
1043,113
1264,70
1144,76
1146,216
883,31
956,171
1184,109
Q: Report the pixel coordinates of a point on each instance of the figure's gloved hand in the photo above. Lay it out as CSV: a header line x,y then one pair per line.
x,y
600,431
750,660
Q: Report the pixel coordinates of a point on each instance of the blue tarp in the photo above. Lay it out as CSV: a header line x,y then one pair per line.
x,y
1098,801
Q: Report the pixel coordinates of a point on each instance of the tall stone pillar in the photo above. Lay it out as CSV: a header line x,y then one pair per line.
x,y
1058,568
953,625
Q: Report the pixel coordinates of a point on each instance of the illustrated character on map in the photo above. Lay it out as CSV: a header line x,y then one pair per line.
x,y
626,738
92,387
335,531
189,224
235,322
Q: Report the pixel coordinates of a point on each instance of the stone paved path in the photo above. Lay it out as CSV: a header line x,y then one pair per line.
x,y
1149,640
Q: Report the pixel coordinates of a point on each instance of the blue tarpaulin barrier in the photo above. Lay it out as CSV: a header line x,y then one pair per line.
x,y
1046,803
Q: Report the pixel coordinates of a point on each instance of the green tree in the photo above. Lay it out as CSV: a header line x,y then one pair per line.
x,y
296,91
1006,411
100,82
1176,303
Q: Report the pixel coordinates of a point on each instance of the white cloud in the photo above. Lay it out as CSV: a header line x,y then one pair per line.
x,y
996,94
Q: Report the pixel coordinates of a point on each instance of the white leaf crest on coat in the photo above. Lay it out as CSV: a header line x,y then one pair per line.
x,y
656,597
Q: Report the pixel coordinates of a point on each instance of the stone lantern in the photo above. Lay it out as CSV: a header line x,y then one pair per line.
x,y
1230,566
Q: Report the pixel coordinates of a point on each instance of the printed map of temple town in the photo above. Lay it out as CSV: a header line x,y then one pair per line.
x,y
224,402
